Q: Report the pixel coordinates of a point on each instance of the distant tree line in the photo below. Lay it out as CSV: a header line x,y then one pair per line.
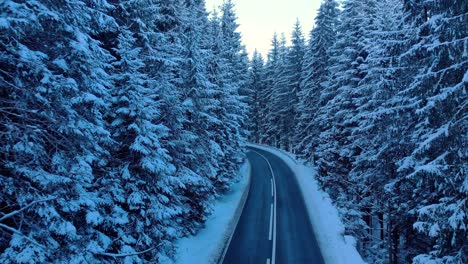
x,y
377,100
120,120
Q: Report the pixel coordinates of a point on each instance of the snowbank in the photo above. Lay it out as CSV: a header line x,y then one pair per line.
x,y
328,228
209,244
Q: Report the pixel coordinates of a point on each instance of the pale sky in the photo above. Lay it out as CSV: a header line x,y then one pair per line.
x,y
259,19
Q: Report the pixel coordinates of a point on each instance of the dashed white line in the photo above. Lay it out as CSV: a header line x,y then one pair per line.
x,y
271,223
268,261
272,191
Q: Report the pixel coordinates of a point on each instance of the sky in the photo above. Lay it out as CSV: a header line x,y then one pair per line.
x,y
259,19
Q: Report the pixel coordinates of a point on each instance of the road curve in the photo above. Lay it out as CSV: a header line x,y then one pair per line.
x,y
274,226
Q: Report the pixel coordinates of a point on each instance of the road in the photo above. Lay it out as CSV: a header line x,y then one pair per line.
x,y
274,226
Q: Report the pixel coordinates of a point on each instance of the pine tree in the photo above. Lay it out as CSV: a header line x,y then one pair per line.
x,y
224,142
336,150
258,102
294,64
437,164
314,76
279,96
272,63
198,117
55,82
380,136
237,65
144,163
235,77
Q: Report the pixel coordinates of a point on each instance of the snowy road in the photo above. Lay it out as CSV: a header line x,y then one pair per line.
x,y
274,226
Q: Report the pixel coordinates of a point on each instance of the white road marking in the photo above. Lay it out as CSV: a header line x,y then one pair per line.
x,y
273,253
272,192
271,223
268,261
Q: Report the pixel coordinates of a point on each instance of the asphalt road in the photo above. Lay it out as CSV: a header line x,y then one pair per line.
x,y
274,226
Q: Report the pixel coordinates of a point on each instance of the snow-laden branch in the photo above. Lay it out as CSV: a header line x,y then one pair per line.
x,y
123,255
11,229
9,215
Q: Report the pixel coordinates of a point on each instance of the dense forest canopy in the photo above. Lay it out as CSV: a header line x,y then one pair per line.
x,y
122,120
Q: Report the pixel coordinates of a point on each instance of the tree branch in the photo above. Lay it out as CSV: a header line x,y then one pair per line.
x,y
21,234
9,215
125,255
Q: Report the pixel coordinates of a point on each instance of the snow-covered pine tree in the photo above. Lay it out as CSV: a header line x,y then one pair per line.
x,y
266,136
293,63
55,81
257,115
380,134
402,152
198,102
146,121
235,78
437,165
279,95
314,76
223,142
216,69
143,164
336,151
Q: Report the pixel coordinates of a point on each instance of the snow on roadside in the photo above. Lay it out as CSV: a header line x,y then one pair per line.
x,y
328,228
208,244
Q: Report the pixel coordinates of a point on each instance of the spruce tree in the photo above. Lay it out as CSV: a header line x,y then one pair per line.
x,y
336,151
380,135
258,102
294,64
55,82
314,76
279,96
437,164
271,65
235,82
197,100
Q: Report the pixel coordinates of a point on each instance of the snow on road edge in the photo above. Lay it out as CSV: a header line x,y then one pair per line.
x,y
328,228
208,245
